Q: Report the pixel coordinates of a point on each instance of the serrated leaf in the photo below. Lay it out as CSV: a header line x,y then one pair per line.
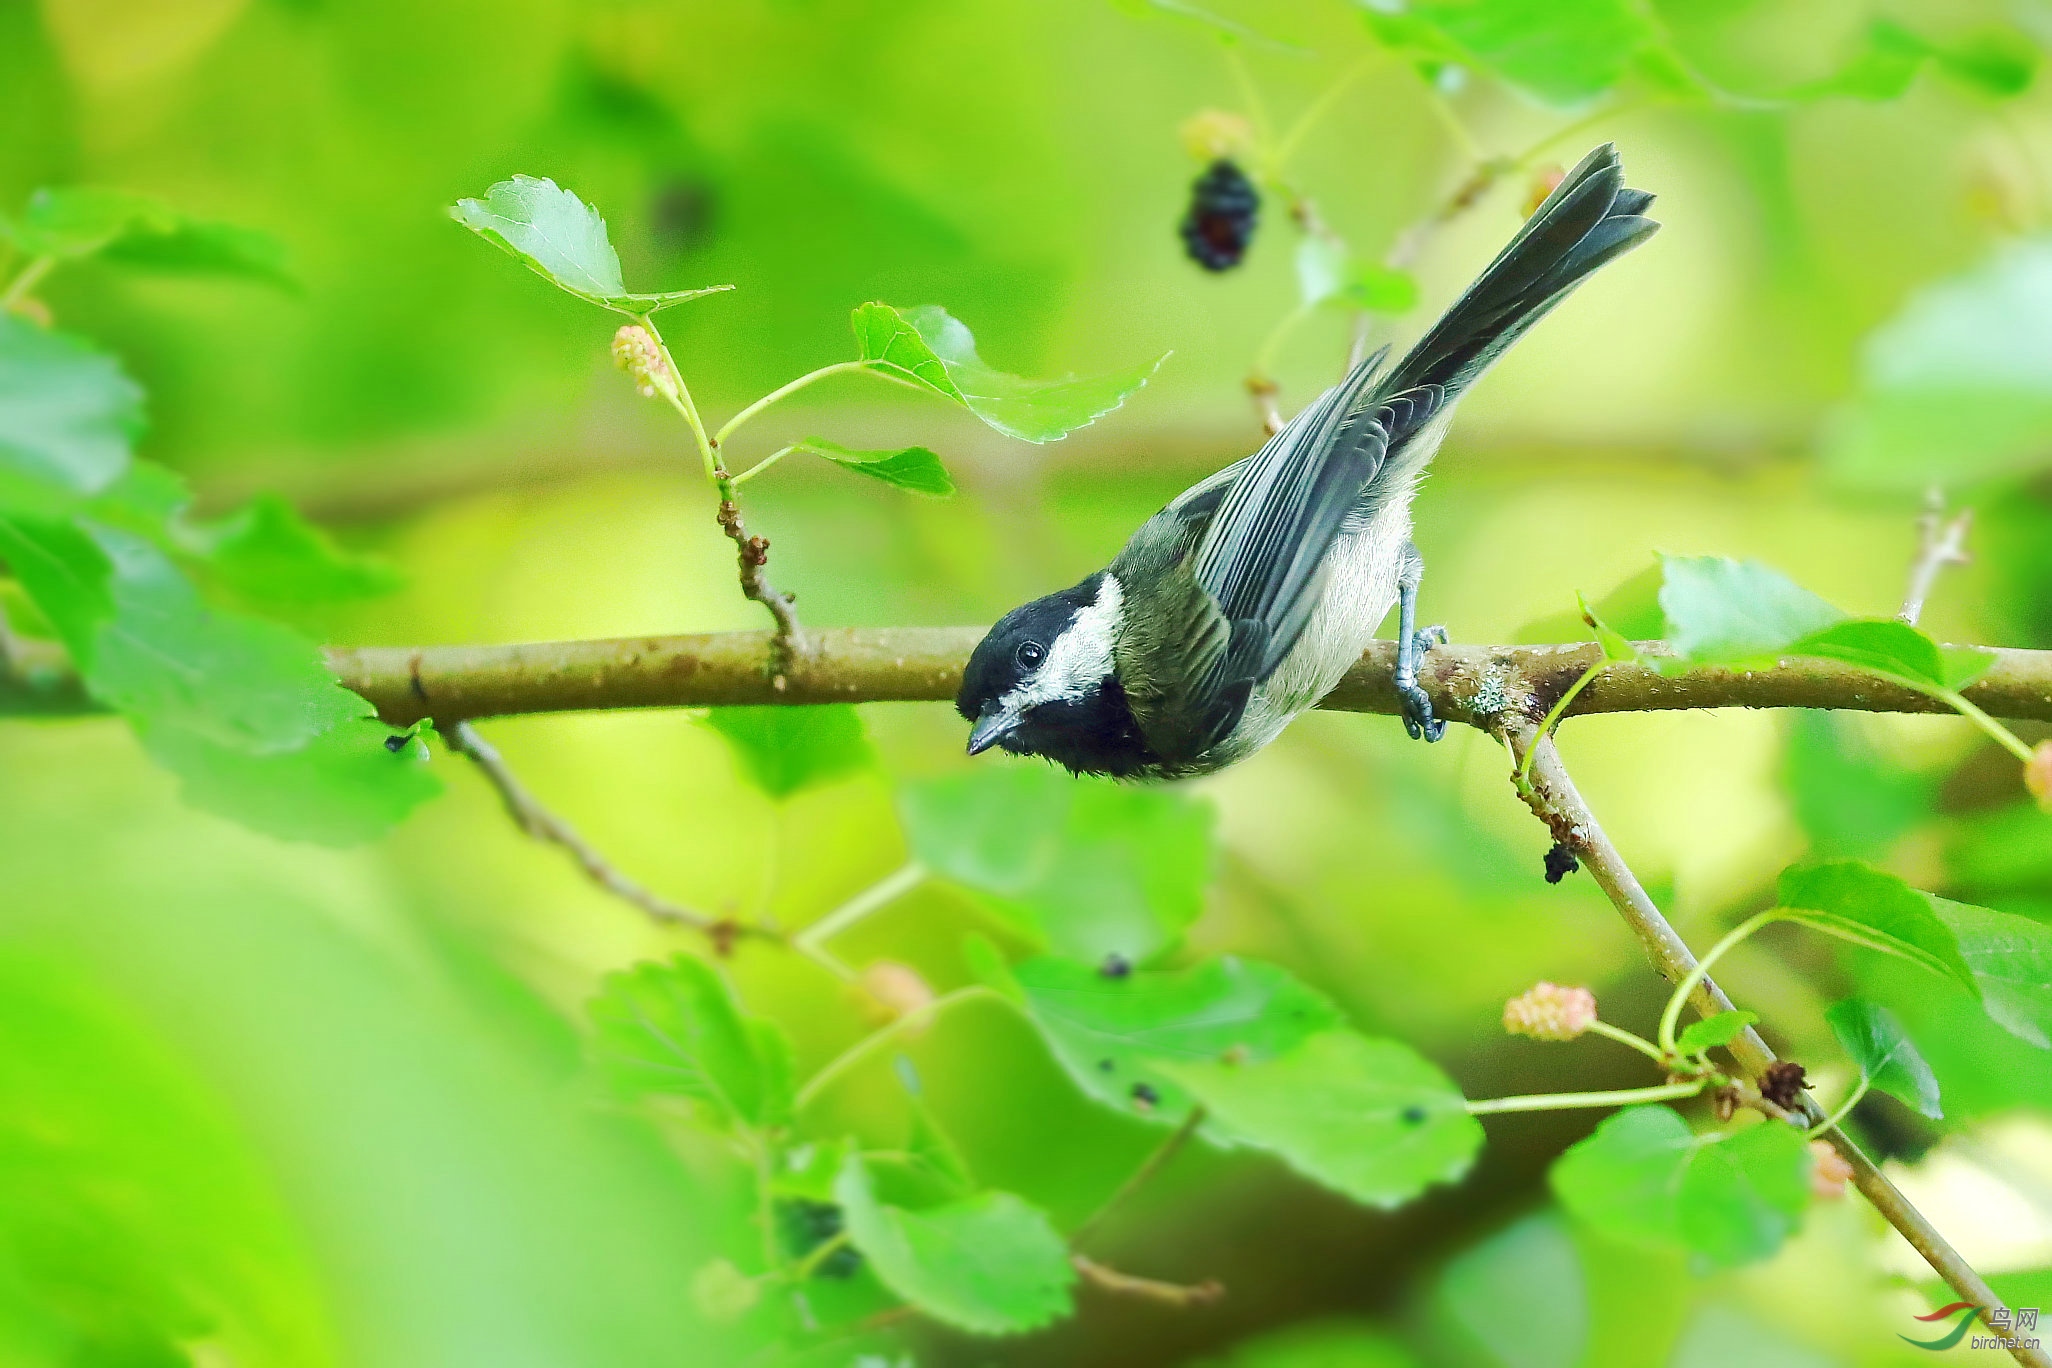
x,y
1876,1042
929,348
1322,268
1086,867
1371,1119
1867,907
1563,53
1722,611
1957,387
69,417
1616,648
1644,1178
786,750
2010,958
148,647
267,553
1850,800
1895,648
674,1030
1712,1033
342,787
913,468
140,230
1114,1034
996,829
989,1264
564,239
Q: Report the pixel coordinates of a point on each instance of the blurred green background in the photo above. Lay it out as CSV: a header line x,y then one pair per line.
x,y
306,1106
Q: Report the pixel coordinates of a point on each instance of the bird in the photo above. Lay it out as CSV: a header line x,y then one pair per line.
x,y
1242,603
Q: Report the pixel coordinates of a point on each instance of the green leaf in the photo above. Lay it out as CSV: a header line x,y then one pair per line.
x,y
929,348
1730,1197
1957,387
1860,904
1850,800
68,418
1723,611
1517,1299
1379,289
147,646
785,750
1896,648
1371,1119
989,1264
1563,53
2010,958
1713,1032
1322,268
1086,867
342,787
1875,1040
561,237
997,829
674,1030
268,554
139,230
913,468
1616,648
1113,1033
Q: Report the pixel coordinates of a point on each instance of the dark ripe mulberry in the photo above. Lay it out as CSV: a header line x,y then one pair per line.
x,y
1782,1084
1224,206
1560,862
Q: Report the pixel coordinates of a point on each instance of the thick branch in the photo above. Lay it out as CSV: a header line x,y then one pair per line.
x,y
1554,799
1479,685
1472,684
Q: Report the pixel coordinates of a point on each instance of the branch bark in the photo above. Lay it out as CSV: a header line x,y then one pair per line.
x,y
1553,798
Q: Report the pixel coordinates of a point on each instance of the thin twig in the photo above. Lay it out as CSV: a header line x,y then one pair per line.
x,y
538,822
1142,1176
1553,798
751,554
1179,1295
1940,542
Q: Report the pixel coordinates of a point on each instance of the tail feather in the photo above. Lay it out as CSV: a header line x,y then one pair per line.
x,y
1588,220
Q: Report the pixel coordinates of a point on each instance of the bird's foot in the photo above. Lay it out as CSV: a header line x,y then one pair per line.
x,y
1418,718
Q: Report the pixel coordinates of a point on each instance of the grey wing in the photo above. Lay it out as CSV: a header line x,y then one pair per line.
x,y
1227,576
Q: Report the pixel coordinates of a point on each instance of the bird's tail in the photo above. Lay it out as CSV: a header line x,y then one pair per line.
x,y
1589,218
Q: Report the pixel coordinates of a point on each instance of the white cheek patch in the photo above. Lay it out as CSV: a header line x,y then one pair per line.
x,y
1078,660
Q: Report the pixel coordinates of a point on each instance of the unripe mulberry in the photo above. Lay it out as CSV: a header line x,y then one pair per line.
x,y
1224,206
1547,1011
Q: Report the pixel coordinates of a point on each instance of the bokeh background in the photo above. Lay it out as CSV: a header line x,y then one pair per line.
x,y
312,1106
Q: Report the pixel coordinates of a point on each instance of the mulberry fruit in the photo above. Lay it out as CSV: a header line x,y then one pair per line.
x,y
1224,206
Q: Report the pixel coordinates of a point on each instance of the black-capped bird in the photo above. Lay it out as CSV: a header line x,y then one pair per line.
x,y
1244,601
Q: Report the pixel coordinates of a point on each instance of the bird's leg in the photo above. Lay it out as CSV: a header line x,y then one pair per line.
x,y
1412,643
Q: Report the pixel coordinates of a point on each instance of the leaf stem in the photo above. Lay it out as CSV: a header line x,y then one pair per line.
x,y
1844,1109
1317,110
819,1254
1631,1038
1618,1097
680,400
1553,714
764,464
1154,1163
24,281
878,895
862,1049
784,391
1671,1015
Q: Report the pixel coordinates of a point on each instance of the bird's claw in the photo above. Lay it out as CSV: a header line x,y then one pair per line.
x,y
1418,718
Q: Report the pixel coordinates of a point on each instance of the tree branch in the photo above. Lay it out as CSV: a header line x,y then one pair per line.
x,y
1179,1295
1553,798
1939,543
538,822
1478,685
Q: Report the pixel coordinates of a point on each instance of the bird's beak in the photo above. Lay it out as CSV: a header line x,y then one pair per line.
x,y
993,726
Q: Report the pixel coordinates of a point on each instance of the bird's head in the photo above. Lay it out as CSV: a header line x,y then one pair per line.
x,y
1044,681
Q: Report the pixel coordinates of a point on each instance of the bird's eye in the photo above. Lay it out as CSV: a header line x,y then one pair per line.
x,y
1030,654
